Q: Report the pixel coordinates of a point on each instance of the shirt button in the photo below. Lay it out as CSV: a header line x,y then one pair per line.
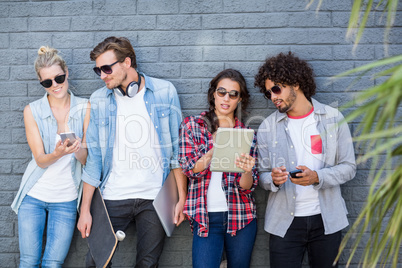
x,y
293,162
294,197
330,136
146,102
163,114
150,113
276,142
156,126
286,129
291,213
291,146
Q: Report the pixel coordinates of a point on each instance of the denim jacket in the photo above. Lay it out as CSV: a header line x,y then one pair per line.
x,y
163,107
47,125
275,148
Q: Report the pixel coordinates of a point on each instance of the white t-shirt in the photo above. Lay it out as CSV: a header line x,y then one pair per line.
x,y
308,147
137,163
56,184
216,198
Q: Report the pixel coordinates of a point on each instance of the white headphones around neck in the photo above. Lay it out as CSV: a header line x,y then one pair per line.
x,y
132,88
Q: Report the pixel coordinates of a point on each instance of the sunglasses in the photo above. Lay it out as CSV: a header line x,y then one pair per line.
x,y
233,94
49,82
275,89
107,69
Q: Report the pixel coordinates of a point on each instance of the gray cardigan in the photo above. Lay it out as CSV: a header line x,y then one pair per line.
x,y
275,148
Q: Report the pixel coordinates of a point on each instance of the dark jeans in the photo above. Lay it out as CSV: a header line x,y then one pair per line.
x,y
305,233
207,251
150,233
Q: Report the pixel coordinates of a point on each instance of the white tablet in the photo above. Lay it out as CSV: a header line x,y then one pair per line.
x,y
229,144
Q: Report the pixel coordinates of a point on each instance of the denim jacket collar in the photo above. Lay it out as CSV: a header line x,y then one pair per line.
x,y
319,108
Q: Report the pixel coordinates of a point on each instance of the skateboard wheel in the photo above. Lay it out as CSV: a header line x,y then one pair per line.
x,y
120,235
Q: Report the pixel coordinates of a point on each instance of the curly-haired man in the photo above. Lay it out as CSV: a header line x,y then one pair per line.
x,y
305,211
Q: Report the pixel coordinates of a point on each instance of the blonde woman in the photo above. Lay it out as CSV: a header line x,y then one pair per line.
x,y
50,187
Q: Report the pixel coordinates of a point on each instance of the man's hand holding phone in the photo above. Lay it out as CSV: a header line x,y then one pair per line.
x,y
303,176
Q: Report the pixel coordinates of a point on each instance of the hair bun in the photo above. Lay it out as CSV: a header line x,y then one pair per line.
x,y
45,49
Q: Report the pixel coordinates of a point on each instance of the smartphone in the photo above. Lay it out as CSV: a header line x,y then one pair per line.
x,y
294,172
68,135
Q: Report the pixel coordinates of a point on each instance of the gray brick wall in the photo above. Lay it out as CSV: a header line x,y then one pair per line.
x,y
186,42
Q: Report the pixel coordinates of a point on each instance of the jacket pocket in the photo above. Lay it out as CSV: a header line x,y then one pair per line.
x,y
163,116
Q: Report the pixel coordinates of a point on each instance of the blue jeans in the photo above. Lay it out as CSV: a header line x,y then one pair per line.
x,y
207,251
305,233
33,216
150,233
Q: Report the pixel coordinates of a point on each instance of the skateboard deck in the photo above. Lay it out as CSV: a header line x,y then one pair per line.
x,y
102,240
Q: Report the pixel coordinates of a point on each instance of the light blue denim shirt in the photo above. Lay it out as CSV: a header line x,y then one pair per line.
x,y
47,125
275,148
163,107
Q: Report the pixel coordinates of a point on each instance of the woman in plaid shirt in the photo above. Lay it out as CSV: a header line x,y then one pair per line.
x,y
219,205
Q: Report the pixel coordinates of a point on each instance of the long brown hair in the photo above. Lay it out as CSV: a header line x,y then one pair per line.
x,y
210,117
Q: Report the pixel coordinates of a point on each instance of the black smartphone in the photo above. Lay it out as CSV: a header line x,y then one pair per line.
x,y
294,172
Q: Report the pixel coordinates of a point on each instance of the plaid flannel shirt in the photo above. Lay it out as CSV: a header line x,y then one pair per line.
x,y
195,141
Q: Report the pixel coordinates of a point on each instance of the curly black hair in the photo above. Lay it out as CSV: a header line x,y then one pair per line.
x,y
289,70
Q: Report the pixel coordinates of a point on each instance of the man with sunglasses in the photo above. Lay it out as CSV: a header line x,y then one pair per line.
x,y
132,146
305,154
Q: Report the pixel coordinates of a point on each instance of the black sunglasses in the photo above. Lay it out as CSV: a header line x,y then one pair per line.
x,y
49,82
107,69
275,89
233,94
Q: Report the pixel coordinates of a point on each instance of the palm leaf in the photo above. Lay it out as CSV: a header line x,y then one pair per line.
x,y
380,134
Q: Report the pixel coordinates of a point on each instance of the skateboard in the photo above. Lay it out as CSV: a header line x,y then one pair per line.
x,y
102,240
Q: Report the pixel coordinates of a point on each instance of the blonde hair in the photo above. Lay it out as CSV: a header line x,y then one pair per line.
x,y
47,57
